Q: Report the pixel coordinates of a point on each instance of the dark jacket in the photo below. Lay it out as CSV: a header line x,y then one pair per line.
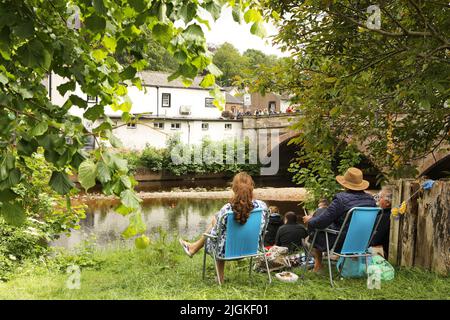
x,y
334,216
275,222
381,236
290,235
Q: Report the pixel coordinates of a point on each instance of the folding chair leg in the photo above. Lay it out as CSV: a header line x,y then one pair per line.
x,y
308,251
267,268
204,264
329,260
217,271
250,267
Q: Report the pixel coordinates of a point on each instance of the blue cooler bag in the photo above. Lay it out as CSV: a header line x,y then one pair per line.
x,y
352,267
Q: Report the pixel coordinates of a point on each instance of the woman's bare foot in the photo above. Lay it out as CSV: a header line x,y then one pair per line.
x,y
186,247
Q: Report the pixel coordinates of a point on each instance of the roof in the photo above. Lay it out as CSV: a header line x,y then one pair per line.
x,y
232,99
159,79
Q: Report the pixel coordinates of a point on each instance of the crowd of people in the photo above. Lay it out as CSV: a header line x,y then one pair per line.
x,y
258,112
285,231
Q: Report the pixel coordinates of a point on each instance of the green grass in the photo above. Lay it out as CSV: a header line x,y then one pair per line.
x,y
164,272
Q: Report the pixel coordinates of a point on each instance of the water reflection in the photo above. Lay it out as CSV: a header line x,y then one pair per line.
x,y
185,217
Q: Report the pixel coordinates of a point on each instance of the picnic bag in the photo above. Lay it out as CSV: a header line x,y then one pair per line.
x,y
386,270
352,267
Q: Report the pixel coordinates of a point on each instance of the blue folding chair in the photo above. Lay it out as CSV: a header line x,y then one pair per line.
x,y
242,240
363,222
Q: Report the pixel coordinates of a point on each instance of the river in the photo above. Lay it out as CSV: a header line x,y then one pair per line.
x,y
184,217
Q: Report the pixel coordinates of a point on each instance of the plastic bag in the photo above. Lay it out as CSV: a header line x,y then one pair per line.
x,y
386,270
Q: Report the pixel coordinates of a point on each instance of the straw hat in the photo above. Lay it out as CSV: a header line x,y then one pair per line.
x,y
353,180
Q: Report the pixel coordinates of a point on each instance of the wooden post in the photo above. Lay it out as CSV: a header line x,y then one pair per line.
x,y
439,202
395,225
409,224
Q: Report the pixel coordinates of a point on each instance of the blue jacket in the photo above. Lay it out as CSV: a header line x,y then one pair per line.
x,y
334,215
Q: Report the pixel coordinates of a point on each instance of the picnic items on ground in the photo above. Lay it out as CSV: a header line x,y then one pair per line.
x,y
286,276
279,258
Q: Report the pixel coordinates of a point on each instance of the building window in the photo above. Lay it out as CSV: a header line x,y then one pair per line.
x,y
205,126
228,126
175,126
91,99
131,125
166,100
209,103
158,125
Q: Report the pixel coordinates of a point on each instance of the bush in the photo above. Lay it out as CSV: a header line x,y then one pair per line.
x,y
48,214
158,160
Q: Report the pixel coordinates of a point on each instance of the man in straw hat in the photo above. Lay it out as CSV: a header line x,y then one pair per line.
x,y
333,216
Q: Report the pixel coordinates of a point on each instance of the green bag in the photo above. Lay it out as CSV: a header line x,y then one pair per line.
x,y
386,270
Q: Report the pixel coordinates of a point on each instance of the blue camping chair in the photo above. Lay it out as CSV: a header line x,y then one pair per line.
x,y
363,223
242,240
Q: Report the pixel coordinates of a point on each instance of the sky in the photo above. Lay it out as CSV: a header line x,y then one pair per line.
x,y
225,29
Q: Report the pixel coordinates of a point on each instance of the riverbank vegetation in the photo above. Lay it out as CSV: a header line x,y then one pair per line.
x,y
163,271
205,158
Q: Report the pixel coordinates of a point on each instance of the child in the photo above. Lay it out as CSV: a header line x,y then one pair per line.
x,y
275,221
291,234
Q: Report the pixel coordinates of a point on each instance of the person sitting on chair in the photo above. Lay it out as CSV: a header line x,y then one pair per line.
x,y
275,222
290,234
242,203
381,236
333,217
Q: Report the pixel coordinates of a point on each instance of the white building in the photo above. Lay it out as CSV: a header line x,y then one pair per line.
x,y
165,109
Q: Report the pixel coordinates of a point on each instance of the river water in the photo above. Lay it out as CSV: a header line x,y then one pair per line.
x,y
187,218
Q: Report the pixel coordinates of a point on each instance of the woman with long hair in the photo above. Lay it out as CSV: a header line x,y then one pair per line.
x,y
241,203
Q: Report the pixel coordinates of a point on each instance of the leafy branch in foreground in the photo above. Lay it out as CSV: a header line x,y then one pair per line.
x,y
40,37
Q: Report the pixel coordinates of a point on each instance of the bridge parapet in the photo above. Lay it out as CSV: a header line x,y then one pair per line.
x,y
279,121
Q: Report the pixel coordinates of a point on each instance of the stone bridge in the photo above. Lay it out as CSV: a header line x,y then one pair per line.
x,y
432,165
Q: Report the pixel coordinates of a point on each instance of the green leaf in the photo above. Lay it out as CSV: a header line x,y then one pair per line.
x,y
188,12
65,87
208,81
87,172
99,54
7,195
24,30
135,227
214,70
128,73
162,33
126,181
194,31
214,9
39,129
123,210
99,7
103,172
138,5
258,29
95,23
76,100
34,54
237,15
60,182
130,199
13,213
252,15
94,113
109,43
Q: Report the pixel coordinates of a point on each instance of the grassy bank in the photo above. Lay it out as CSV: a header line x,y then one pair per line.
x,y
164,272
